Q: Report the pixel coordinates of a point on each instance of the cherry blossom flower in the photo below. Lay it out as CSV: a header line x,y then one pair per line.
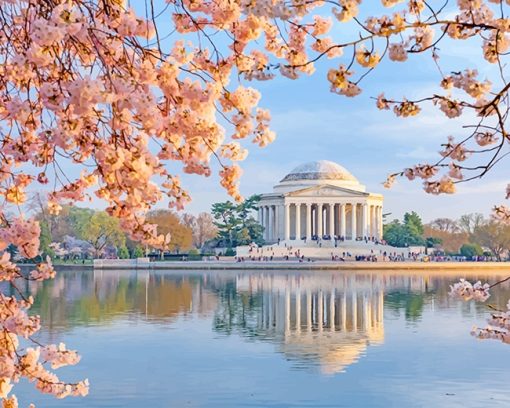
x,y
466,291
397,52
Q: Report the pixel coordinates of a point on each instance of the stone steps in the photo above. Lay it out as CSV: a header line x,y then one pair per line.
x,y
323,252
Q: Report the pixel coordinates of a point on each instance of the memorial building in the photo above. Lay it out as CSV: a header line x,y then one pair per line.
x,y
320,200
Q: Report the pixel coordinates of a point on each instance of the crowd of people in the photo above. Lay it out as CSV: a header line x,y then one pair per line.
x,y
340,238
289,253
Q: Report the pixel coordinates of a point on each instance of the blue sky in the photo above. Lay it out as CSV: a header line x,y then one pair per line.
x,y
313,124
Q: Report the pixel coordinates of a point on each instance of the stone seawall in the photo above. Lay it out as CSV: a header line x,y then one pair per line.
x,y
499,267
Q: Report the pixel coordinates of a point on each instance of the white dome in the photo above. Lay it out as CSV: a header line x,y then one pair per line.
x,y
319,170
316,173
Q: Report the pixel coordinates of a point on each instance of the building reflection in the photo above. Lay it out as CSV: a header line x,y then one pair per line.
x,y
325,323
315,319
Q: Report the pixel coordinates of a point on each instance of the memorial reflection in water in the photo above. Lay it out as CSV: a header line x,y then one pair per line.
x,y
328,322
270,338
324,320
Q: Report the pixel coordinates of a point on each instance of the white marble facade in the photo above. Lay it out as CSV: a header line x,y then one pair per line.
x,y
320,200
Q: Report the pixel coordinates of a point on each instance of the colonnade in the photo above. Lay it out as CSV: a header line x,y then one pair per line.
x,y
322,310
304,221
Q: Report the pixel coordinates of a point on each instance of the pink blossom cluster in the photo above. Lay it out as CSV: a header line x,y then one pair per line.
x,y
43,271
16,363
449,107
424,171
340,83
455,151
32,367
58,356
467,81
8,270
445,185
22,233
498,327
486,138
465,290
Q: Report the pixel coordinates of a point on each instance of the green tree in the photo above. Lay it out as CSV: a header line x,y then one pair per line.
x,y
227,221
414,228
102,230
252,231
431,242
45,240
123,252
72,221
394,233
469,250
230,252
138,252
236,224
410,232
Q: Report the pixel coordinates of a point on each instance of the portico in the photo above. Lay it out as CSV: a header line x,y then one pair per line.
x,y
320,200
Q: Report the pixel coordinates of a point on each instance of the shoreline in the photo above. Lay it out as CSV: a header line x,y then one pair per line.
x,y
442,268
472,267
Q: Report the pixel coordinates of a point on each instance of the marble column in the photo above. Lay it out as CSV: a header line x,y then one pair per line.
x,y
342,220
314,219
261,217
277,215
287,222
266,223
369,222
319,221
331,231
308,222
364,215
270,232
372,216
298,222
353,222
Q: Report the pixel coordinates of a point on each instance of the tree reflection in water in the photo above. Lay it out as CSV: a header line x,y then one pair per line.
x,y
324,319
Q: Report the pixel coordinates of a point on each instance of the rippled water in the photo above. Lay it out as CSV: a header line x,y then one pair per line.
x,y
270,339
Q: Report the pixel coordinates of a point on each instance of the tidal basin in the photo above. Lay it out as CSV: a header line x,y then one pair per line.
x,y
271,338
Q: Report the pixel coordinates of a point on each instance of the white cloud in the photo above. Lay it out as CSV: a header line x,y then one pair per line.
x,y
419,153
481,187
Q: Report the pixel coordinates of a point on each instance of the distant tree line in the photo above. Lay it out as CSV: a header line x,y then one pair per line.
x,y
84,232
78,232
470,235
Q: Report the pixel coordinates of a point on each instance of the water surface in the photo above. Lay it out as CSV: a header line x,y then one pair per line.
x,y
270,339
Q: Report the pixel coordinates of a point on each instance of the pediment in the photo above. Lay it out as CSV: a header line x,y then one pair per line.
x,y
326,191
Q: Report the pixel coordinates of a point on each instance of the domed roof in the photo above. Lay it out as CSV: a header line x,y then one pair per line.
x,y
319,170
